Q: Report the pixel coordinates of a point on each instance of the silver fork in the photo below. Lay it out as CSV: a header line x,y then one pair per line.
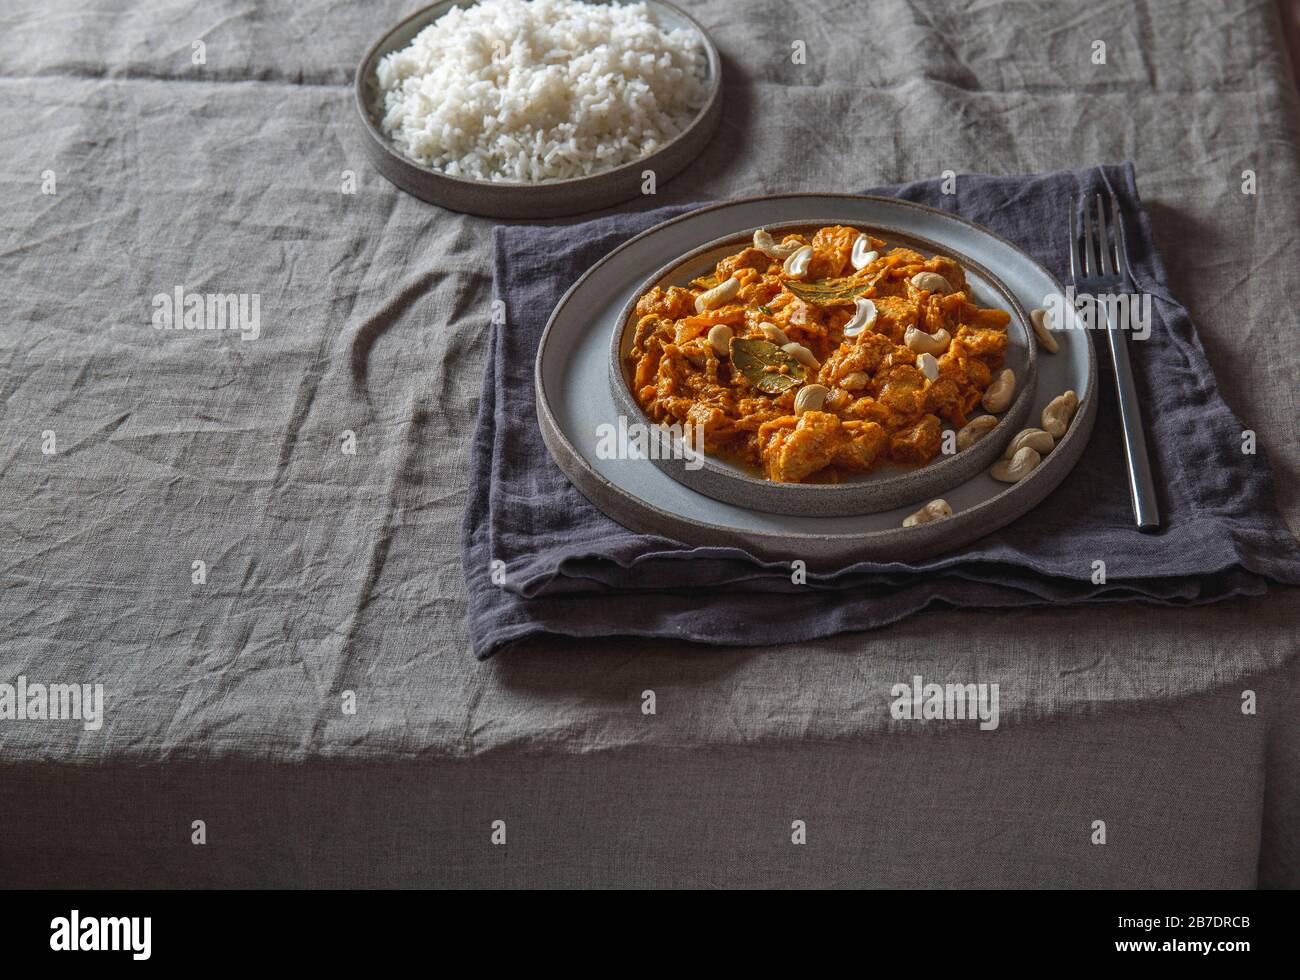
x,y
1102,269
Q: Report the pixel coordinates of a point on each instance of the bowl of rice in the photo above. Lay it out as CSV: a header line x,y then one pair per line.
x,y
538,108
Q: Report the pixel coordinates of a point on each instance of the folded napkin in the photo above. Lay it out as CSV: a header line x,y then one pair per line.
x,y
541,559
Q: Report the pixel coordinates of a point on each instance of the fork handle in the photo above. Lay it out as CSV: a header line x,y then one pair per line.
x,y
1141,487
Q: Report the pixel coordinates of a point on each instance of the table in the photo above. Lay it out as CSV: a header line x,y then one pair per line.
x,y
325,572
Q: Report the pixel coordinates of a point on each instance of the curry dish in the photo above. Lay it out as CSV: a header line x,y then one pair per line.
x,y
818,356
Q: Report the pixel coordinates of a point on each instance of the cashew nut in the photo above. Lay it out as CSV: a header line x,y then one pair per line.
x,y
796,266
1016,468
766,244
1043,330
810,398
723,292
1056,416
855,381
864,318
927,343
720,338
999,394
935,510
931,282
802,354
1036,439
928,366
863,254
774,334
975,430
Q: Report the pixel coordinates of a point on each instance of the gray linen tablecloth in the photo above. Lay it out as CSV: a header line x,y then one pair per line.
x,y
326,573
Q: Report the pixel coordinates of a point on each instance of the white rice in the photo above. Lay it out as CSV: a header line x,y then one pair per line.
x,y
534,90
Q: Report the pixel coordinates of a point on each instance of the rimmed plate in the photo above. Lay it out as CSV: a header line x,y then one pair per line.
x,y
883,488
575,408
547,199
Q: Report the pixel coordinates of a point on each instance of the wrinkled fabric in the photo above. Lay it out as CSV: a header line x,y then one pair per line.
x,y
331,574
1221,536
328,572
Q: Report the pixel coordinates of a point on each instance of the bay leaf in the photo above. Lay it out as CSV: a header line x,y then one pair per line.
x,y
751,357
830,292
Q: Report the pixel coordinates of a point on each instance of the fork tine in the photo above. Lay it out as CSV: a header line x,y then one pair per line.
x,y
1121,247
1076,264
1089,255
1103,240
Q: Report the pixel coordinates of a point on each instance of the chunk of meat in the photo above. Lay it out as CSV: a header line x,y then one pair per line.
x,y
673,303
859,445
647,366
984,319
866,355
690,327
894,314
832,248
950,269
901,391
917,444
794,447
989,346
647,327
647,346
945,397
750,258
673,368
901,264
867,409
718,427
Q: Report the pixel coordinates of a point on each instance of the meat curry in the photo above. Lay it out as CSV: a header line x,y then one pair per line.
x,y
817,356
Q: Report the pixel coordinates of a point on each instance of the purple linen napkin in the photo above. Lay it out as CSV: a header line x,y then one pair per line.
x,y
564,568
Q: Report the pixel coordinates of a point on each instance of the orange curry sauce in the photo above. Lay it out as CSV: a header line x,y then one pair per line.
x,y
880,405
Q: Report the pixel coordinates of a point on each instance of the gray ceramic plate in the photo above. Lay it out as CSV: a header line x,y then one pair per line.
x,y
574,401
884,488
548,199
